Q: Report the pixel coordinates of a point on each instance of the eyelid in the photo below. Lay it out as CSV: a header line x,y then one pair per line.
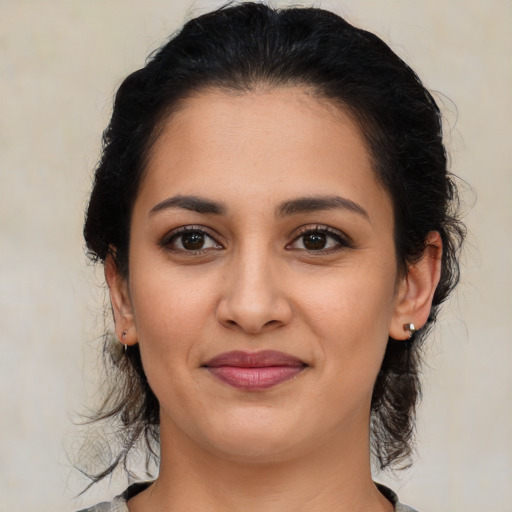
x,y
190,228
343,239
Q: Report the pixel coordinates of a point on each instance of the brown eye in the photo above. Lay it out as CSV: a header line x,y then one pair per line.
x,y
193,241
315,241
321,239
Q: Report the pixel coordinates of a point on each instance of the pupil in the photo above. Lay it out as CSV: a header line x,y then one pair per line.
x,y
193,241
315,241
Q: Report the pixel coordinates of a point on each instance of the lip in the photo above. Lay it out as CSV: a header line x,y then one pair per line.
x,y
254,370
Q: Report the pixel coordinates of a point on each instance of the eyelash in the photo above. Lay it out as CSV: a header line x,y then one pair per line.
x,y
175,235
341,241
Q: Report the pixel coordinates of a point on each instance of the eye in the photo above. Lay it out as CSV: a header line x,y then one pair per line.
x,y
190,239
319,239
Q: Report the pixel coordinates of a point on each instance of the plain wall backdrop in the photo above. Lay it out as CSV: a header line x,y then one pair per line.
x,y
60,62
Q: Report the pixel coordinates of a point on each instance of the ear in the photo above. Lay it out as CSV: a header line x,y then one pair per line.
x,y
121,303
416,289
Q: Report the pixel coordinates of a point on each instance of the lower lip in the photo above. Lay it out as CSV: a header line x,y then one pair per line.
x,y
254,378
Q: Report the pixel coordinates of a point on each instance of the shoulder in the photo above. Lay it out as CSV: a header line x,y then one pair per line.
x,y
118,504
391,496
400,507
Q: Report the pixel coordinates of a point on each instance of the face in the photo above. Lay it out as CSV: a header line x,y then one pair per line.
x,y
262,275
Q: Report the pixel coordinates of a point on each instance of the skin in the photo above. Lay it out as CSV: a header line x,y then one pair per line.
x,y
256,284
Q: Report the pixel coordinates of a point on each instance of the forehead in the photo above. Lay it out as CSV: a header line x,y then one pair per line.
x,y
269,117
287,141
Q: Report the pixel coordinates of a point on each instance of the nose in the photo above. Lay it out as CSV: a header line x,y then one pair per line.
x,y
254,300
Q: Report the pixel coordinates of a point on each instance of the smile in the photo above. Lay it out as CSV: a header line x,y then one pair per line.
x,y
254,370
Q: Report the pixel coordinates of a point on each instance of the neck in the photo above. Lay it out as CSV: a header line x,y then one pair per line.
x,y
330,477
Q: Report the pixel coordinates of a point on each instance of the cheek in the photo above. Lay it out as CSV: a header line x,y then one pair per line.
x,y
351,317
169,320
352,302
163,297
171,312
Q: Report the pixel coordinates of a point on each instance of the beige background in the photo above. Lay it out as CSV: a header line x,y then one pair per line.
x,y
59,65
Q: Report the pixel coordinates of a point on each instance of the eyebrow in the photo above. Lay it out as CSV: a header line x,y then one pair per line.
x,y
192,203
288,208
319,203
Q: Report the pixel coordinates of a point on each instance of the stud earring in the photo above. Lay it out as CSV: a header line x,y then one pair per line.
x,y
123,337
410,328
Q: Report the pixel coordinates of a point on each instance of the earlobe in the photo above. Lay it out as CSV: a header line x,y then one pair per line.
x,y
416,290
121,303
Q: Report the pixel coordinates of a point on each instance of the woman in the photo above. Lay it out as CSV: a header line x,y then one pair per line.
x,y
278,230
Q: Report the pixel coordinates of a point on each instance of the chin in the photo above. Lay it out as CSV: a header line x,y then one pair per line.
x,y
256,436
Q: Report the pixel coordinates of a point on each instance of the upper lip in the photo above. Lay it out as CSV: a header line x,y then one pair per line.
x,y
262,359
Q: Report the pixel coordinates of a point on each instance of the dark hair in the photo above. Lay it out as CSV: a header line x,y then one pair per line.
x,y
248,46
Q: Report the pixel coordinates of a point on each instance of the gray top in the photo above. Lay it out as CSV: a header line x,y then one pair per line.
x,y
118,504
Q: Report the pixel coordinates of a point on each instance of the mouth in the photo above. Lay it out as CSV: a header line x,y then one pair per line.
x,y
254,370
